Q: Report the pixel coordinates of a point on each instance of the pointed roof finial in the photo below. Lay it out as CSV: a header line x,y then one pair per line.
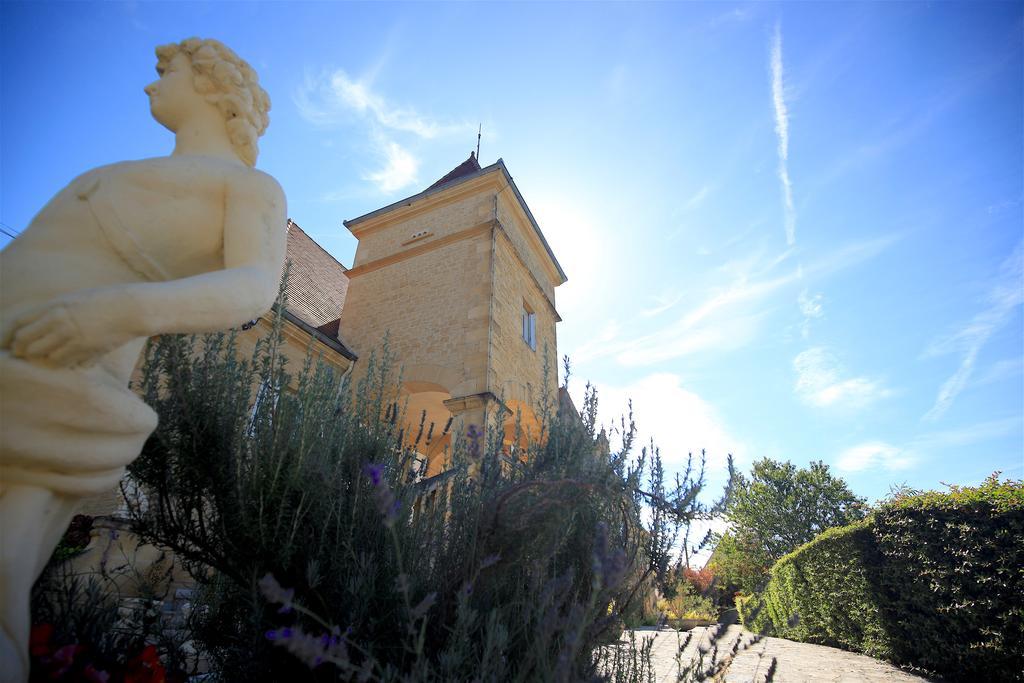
x,y
479,130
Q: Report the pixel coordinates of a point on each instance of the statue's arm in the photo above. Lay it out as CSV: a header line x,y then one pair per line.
x,y
254,251
79,328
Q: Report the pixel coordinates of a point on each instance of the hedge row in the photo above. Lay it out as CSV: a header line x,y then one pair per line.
x,y
933,580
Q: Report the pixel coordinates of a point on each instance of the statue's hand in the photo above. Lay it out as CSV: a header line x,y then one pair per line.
x,y
70,331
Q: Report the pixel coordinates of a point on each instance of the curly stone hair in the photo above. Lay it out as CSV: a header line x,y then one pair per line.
x,y
228,82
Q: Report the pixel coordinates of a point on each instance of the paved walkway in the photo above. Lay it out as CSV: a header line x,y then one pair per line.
x,y
794,662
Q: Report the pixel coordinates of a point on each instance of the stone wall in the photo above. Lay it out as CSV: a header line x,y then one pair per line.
x,y
517,371
431,296
437,218
522,234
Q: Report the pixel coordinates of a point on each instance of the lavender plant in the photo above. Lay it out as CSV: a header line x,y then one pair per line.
x,y
288,499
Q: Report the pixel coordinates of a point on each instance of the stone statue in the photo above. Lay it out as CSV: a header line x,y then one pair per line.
x,y
193,242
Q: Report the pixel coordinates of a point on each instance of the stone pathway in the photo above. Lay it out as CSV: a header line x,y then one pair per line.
x,y
794,662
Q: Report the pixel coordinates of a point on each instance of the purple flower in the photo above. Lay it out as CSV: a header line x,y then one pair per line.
x,y
279,634
276,594
475,435
387,505
375,472
313,650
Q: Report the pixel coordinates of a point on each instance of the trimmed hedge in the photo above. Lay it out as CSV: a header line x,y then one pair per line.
x,y
934,580
954,580
836,568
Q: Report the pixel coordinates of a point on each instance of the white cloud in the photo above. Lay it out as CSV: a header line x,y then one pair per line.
x,y
782,133
874,455
679,421
1001,370
737,15
1006,295
594,347
333,98
880,454
820,382
730,316
811,308
662,302
399,169
697,198
999,207
682,339
964,436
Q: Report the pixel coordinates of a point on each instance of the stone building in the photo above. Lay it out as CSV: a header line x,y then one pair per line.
x,y
462,280
315,295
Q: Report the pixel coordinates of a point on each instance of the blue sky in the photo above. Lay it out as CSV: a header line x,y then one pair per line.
x,y
790,230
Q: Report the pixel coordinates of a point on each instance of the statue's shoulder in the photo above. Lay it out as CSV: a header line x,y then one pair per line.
x,y
84,184
98,172
118,167
253,181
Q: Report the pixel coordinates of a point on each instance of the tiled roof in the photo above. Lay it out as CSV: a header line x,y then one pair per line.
x,y
317,283
470,165
332,328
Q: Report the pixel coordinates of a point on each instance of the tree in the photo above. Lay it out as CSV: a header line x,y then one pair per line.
x,y
778,508
735,565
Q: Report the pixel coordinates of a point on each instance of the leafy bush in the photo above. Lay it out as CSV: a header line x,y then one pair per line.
x,y
935,580
313,548
735,563
953,578
750,608
687,604
700,579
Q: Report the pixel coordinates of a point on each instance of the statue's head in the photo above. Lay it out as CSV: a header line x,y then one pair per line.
x,y
211,70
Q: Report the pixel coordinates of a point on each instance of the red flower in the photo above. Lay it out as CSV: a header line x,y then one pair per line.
x,y
146,668
39,641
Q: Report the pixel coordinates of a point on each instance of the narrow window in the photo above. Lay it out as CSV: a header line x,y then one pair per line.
x,y
529,326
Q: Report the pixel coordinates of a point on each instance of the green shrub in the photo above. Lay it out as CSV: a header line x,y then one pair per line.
x,y
935,580
750,608
687,604
953,579
806,586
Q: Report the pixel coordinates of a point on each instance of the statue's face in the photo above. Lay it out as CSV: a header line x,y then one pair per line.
x,y
173,95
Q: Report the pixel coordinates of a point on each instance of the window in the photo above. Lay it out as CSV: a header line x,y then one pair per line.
x,y
529,326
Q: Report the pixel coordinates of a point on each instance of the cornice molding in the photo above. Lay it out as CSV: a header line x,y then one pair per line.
x,y
426,247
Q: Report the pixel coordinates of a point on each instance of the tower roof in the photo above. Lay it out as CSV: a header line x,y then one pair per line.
x,y
467,167
464,172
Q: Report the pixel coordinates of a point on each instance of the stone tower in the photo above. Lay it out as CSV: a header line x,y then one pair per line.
x,y
463,281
